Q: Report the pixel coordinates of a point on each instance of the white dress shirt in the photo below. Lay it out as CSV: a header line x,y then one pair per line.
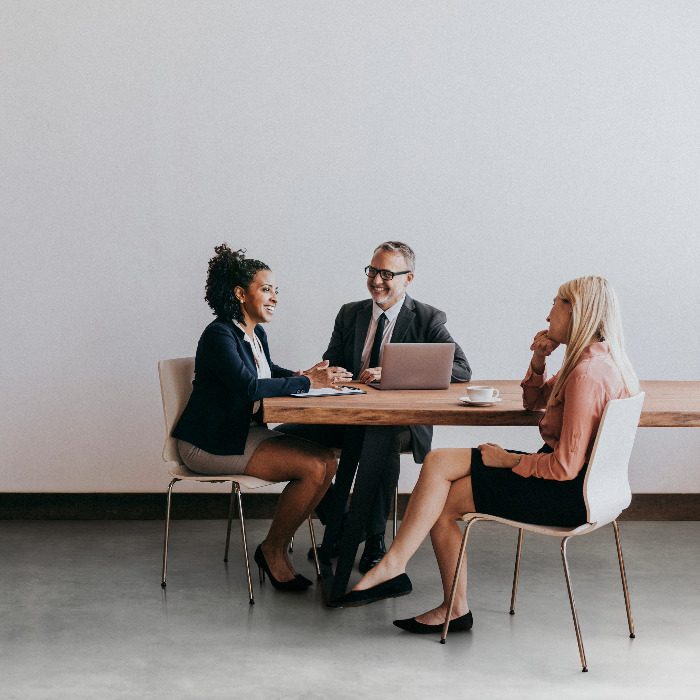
x,y
391,314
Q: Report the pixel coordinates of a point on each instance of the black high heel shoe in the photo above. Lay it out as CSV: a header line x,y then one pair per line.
x,y
305,581
296,584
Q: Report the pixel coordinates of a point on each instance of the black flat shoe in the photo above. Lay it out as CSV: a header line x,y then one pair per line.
x,y
393,588
374,552
459,624
294,585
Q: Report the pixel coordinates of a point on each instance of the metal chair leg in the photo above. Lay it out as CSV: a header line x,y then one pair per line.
x,y
313,547
396,510
230,518
623,576
516,573
460,560
167,528
579,639
243,538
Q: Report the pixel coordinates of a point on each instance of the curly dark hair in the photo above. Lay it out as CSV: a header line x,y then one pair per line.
x,y
229,269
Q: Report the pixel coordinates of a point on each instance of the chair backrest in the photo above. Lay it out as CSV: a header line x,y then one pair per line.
x,y
607,488
175,388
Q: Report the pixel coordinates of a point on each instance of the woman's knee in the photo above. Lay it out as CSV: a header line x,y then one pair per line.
x,y
331,462
316,470
447,463
436,460
325,463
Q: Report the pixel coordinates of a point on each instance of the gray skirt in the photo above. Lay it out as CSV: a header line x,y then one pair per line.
x,y
215,465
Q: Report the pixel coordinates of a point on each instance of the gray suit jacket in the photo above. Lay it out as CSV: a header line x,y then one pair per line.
x,y
416,323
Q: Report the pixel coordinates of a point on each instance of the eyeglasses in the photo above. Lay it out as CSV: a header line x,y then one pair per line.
x,y
372,272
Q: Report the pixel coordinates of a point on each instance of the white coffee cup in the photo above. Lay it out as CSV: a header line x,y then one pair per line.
x,y
482,393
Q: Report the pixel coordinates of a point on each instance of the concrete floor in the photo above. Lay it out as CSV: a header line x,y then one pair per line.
x,y
82,615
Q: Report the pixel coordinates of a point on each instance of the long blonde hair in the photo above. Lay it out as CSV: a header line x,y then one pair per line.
x,y
595,316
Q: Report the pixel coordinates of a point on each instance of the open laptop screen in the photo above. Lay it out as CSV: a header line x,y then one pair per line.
x,y
416,366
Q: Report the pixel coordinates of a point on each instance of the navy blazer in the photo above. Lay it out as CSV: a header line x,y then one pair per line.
x,y
225,387
416,323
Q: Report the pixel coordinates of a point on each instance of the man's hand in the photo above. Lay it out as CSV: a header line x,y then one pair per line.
x,y
495,456
371,374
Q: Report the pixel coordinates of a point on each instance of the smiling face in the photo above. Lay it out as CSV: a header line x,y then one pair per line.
x,y
559,321
385,293
258,302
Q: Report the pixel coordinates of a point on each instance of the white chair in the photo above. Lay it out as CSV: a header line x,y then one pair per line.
x,y
176,386
606,492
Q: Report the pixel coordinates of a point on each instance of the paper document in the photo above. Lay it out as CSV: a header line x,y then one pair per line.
x,y
330,392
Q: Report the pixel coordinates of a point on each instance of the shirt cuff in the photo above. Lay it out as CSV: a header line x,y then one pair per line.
x,y
533,379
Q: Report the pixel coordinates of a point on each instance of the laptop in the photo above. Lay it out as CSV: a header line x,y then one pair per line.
x,y
416,366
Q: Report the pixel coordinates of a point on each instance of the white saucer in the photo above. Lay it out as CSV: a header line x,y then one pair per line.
x,y
466,400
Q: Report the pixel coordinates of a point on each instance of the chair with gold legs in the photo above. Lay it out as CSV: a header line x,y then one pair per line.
x,y
606,492
176,386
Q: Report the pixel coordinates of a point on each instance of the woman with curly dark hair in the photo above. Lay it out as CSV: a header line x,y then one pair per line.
x,y
221,431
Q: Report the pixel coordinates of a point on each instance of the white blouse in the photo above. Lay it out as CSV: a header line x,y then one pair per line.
x,y
264,371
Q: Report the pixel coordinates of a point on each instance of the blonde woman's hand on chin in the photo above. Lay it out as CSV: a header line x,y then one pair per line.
x,y
324,377
493,455
542,347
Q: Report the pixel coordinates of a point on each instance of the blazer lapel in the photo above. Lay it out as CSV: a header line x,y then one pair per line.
x,y
246,348
364,316
403,320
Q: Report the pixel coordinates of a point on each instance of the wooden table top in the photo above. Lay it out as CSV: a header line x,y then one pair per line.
x,y
667,404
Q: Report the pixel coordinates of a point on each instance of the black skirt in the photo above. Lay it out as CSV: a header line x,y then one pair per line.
x,y
529,499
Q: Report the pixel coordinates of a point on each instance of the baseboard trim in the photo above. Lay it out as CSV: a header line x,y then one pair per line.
x,y
212,506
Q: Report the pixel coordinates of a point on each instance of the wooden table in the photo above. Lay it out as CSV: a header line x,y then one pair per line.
x,y
667,404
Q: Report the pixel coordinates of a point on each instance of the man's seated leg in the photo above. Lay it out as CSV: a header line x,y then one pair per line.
x,y
383,502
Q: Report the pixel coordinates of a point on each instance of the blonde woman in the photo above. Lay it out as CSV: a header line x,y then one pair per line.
x,y
545,487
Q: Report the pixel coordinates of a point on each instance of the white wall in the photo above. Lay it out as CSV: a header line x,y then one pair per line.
x,y
531,142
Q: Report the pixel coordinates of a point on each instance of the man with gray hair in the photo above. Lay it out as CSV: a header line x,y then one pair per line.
x,y
361,330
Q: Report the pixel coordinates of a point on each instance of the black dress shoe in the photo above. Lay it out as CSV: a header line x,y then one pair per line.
x,y
459,624
374,552
393,588
334,551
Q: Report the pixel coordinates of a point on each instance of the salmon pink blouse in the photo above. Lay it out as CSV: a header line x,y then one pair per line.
x,y
569,426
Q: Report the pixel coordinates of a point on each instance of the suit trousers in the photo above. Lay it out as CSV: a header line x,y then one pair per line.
x,y
350,439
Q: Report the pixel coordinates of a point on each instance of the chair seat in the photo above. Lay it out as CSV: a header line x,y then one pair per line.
x,y
180,471
542,529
